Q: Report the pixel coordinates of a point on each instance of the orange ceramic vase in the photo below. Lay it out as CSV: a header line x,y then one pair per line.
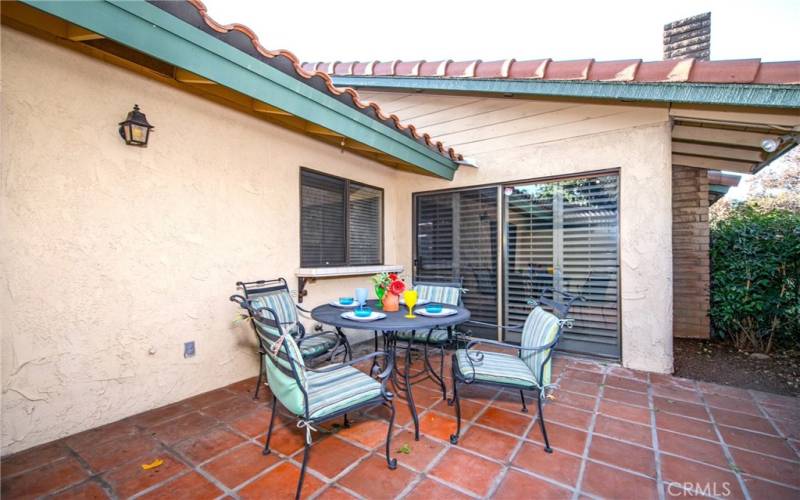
x,y
391,302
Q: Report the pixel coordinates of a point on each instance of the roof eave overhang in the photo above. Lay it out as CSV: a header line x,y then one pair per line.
x,y
148,29
767,96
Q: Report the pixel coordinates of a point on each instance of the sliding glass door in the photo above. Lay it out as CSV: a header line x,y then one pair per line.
x,y
563,235
456,239
559,235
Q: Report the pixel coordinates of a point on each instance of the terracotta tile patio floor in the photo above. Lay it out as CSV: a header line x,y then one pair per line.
x,y
617,433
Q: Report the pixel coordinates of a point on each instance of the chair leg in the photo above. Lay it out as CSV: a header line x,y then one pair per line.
x,y
541,424
441,372
302,471
346,423
391,462
271,424
454,437
409,392
374,360
260,375
438,378
524,406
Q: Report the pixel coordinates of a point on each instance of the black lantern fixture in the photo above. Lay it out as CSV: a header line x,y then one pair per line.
x,y
135,129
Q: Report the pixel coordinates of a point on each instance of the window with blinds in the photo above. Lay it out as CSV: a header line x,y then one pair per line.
x,y
341,221
456,239
564,235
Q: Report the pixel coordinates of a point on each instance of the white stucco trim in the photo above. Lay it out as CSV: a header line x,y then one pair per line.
x,y
329,272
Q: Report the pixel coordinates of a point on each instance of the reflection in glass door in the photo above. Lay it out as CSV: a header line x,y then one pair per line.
x,y
564,235
456,238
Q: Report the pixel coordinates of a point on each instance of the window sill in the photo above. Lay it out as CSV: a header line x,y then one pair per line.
x,y
306,275
332,272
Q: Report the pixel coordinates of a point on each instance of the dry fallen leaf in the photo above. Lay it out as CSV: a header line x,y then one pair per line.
x,y
152,465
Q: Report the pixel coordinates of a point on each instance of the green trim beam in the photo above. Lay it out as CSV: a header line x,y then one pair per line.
x,y
768,96
148,29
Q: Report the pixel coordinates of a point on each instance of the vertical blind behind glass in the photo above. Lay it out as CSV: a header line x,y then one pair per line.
x,y
365,225
564,235
457,239
340,222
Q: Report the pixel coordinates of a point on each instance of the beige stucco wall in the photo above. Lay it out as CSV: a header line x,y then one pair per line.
x,y
113,256
637,142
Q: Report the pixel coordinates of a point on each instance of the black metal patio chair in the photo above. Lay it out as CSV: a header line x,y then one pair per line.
x,y
447,293
316,395
528,370
274,294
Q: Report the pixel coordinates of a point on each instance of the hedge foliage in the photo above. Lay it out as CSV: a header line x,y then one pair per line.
x,y
755,268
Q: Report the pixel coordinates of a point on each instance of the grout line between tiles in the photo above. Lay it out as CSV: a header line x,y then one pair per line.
x,y
780,432
656,445
725,449
589,433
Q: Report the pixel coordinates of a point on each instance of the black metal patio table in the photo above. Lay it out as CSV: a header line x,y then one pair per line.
x,y
393,322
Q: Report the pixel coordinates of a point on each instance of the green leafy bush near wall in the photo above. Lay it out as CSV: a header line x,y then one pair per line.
x,y
755,268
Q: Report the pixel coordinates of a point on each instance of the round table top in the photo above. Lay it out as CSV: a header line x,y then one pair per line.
x,y
394,321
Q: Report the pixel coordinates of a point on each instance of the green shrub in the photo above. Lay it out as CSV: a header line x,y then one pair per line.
x,y
755,267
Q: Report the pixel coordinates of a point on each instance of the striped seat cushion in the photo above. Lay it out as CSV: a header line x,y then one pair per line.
x,y
495,367
438,336
540,329
439,294
316,346
338,390
279,301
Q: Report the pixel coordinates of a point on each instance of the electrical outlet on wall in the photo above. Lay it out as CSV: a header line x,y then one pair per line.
x,y
188,349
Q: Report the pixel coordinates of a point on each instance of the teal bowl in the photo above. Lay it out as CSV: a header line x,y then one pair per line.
x,y
433,308
345,301
363,312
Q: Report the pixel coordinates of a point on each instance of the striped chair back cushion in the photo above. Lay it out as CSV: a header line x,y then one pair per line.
x,y
440,294
285,383
540,329
279,301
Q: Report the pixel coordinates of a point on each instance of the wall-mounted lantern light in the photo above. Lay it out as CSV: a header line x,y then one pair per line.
x,y
135,129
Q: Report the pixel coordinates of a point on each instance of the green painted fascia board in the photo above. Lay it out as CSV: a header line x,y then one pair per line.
x,y
769,96
150,30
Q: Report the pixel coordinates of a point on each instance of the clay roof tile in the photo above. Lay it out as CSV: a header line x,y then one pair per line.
x,y
568,70
408,68
493,69
617,71
734,71
528,69
465,69
779,73
673,70
434,68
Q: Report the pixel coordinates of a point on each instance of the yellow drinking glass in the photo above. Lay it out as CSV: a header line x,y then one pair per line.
x,y
410,297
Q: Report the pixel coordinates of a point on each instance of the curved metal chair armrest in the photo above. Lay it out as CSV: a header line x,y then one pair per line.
x,y
239,299
517,328
510,346
367,357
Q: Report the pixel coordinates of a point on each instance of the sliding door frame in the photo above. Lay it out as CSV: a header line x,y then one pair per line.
x,y
502,236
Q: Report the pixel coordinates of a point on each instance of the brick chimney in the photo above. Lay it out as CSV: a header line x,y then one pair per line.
x,y
690,37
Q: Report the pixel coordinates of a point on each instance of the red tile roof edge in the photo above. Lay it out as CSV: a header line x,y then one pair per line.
x,y
324,75
733,71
